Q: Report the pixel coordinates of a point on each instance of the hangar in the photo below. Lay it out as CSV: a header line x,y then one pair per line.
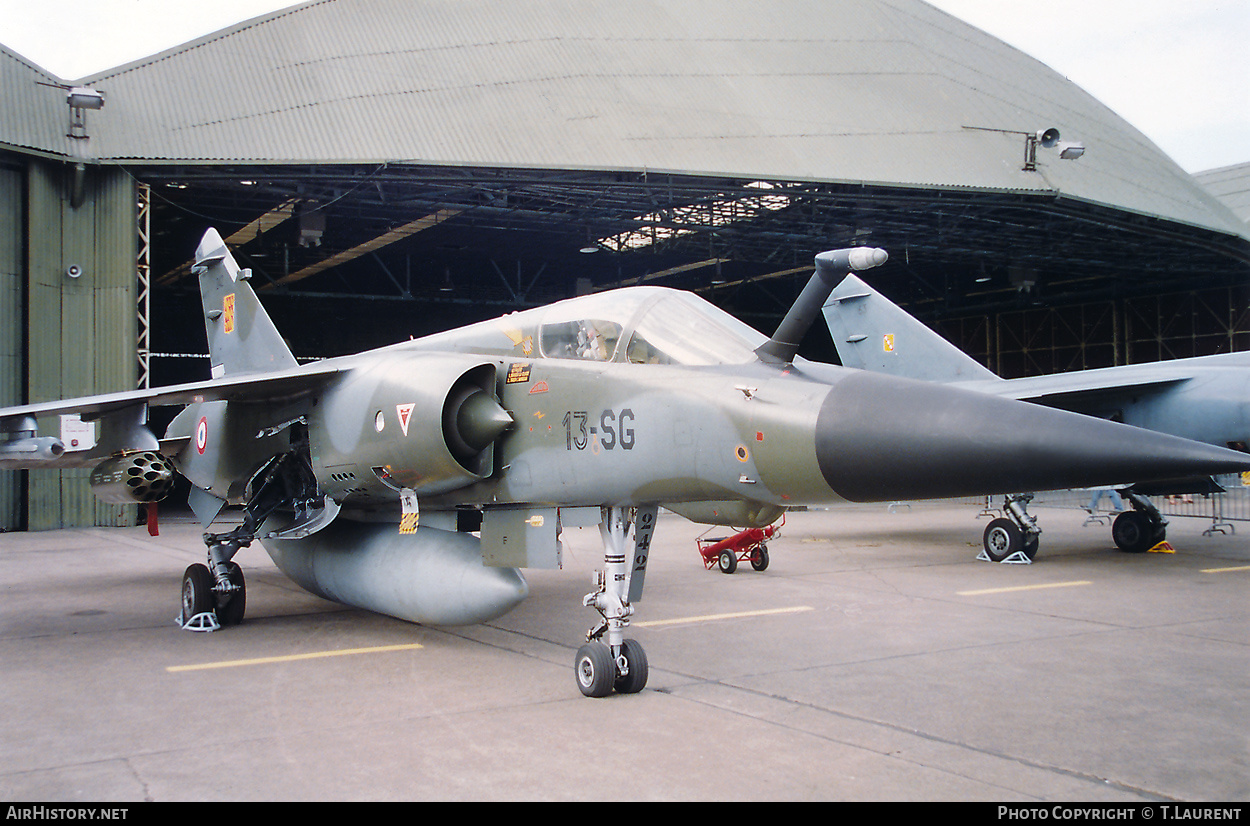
x,y
388,168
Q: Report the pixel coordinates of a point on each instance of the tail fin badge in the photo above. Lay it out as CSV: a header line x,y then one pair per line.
x,y
227,313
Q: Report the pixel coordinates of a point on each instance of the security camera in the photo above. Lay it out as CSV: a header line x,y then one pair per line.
x,y
74,271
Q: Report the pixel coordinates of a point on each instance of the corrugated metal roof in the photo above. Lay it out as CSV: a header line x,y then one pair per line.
x,y
1231,184
33,112
872,91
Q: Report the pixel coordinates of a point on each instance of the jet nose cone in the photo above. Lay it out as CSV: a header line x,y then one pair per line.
x,y
473,422
881,438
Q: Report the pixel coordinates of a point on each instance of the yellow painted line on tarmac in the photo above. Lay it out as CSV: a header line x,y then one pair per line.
x,y
1024,588
289,658
1225,570
711,617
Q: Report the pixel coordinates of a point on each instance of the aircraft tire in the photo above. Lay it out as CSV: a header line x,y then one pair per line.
x,y
1002,538
636,659
595,669
759,559
197,591
1031,543
231,612
728,561
1132,533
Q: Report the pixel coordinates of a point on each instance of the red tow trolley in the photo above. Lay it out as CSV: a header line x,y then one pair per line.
x,y
745,546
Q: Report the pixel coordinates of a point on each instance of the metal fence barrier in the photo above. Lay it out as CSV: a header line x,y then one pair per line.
x,y
1222,509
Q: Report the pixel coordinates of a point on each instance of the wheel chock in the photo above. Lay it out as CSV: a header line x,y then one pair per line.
x,y
1016,558
204,623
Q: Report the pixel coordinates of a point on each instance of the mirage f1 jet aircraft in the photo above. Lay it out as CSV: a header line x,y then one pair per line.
x,y
1206,399
415,480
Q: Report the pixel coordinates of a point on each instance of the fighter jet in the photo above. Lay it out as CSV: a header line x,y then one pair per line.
x,y
417,479
1206,399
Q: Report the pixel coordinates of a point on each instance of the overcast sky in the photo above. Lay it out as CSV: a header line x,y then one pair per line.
x,y
1179,72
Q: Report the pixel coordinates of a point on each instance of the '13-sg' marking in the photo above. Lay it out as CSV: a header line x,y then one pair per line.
x,y
612,432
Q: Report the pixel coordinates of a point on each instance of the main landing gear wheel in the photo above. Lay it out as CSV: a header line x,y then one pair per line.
x,y
1134,533
231,606
198,602
205,605
1003,537
215,595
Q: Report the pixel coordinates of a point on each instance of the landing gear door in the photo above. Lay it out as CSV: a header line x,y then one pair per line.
x,y
520,538
644,526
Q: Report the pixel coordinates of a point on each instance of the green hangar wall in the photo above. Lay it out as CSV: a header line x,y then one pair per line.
x,y
68,248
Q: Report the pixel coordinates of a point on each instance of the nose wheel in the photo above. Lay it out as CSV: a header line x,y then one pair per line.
x,y
599,672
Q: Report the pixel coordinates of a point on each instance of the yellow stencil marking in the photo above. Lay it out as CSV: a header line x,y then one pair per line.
x,y
316,655
710,617
1023,588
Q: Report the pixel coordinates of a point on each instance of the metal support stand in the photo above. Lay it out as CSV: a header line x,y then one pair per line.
x,y
1218,523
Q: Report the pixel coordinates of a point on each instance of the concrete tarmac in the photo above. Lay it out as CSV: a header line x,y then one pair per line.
x,y
875,659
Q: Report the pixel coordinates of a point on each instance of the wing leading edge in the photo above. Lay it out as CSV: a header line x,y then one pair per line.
x,y
123,415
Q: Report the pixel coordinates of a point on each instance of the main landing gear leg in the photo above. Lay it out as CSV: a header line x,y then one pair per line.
x,y
1013,537
609,660
214,595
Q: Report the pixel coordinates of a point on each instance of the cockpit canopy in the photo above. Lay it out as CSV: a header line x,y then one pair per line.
x,y
642,325
645,325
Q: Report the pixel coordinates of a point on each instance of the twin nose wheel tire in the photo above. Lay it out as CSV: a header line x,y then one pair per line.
x,y
597,674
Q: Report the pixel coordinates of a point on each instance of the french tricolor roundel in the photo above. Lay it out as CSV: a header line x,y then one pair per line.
x,y
201,436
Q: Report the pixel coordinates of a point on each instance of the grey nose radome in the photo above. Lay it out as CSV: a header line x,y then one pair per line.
x,y
881,438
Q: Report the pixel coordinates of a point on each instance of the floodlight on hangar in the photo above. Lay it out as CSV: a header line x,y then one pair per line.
x,y
1047,138
80,99
1071,150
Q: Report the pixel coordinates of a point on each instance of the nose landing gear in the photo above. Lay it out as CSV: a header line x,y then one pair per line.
x,y
617,663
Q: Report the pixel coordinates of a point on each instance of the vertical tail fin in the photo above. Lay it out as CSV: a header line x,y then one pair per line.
x,y
241,336
872,333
